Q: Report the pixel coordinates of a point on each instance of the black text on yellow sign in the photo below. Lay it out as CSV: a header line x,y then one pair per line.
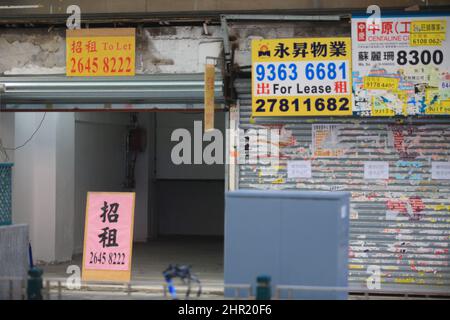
x,y
301,77
301,49
302,106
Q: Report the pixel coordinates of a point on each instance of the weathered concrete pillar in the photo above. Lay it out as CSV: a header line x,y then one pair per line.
x,y
43,182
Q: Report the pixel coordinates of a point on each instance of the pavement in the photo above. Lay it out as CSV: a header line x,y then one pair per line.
x,y
204,254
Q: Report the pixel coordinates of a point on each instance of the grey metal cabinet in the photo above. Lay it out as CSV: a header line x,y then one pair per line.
x,y
297,238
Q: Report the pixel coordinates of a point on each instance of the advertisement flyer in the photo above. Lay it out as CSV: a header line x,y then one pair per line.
x,y
401,66
301,77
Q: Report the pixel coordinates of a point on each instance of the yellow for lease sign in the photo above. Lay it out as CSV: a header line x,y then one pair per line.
x,y
301,77
100,52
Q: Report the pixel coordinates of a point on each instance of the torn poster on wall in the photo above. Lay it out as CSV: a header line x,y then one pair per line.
x,y
404,139
325,140
401,65
411,208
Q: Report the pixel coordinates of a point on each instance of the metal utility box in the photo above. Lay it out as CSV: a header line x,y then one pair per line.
x,y
297,238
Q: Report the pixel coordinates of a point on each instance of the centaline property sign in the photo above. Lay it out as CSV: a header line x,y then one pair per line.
x,y
100,52
301,77
108,236
401,66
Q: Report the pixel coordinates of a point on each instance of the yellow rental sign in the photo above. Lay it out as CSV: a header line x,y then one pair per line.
x,y
100,52
301,77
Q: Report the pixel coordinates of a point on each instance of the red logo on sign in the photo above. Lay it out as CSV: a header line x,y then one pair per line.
x,y
361,31
263,88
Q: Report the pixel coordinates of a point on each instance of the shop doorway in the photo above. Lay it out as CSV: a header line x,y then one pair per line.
x,y
179,215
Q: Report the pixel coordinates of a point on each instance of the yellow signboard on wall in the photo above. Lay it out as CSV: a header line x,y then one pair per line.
x,y
100,52
301,77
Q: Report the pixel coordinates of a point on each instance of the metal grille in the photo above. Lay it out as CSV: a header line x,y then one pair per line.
x,y
5,194
399,226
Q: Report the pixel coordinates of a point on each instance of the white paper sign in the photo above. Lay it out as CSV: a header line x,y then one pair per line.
x,y
299,169
376,170
391,215
440,170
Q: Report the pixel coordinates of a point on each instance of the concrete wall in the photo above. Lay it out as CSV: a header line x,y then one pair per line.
x,y
165,168
7,135
190,198
146,222
142,179
100,166
64,185
158,50
99,160
243,33
42,182
190,207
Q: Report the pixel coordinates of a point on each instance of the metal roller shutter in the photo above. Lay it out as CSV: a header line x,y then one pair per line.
x,y
400,225
168,89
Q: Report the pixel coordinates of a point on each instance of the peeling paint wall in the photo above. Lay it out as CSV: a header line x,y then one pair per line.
x,y
176,49
31,52
158,50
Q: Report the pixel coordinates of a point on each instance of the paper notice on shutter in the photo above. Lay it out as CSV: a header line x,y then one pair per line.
x,y
299,169
440,170
376,170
